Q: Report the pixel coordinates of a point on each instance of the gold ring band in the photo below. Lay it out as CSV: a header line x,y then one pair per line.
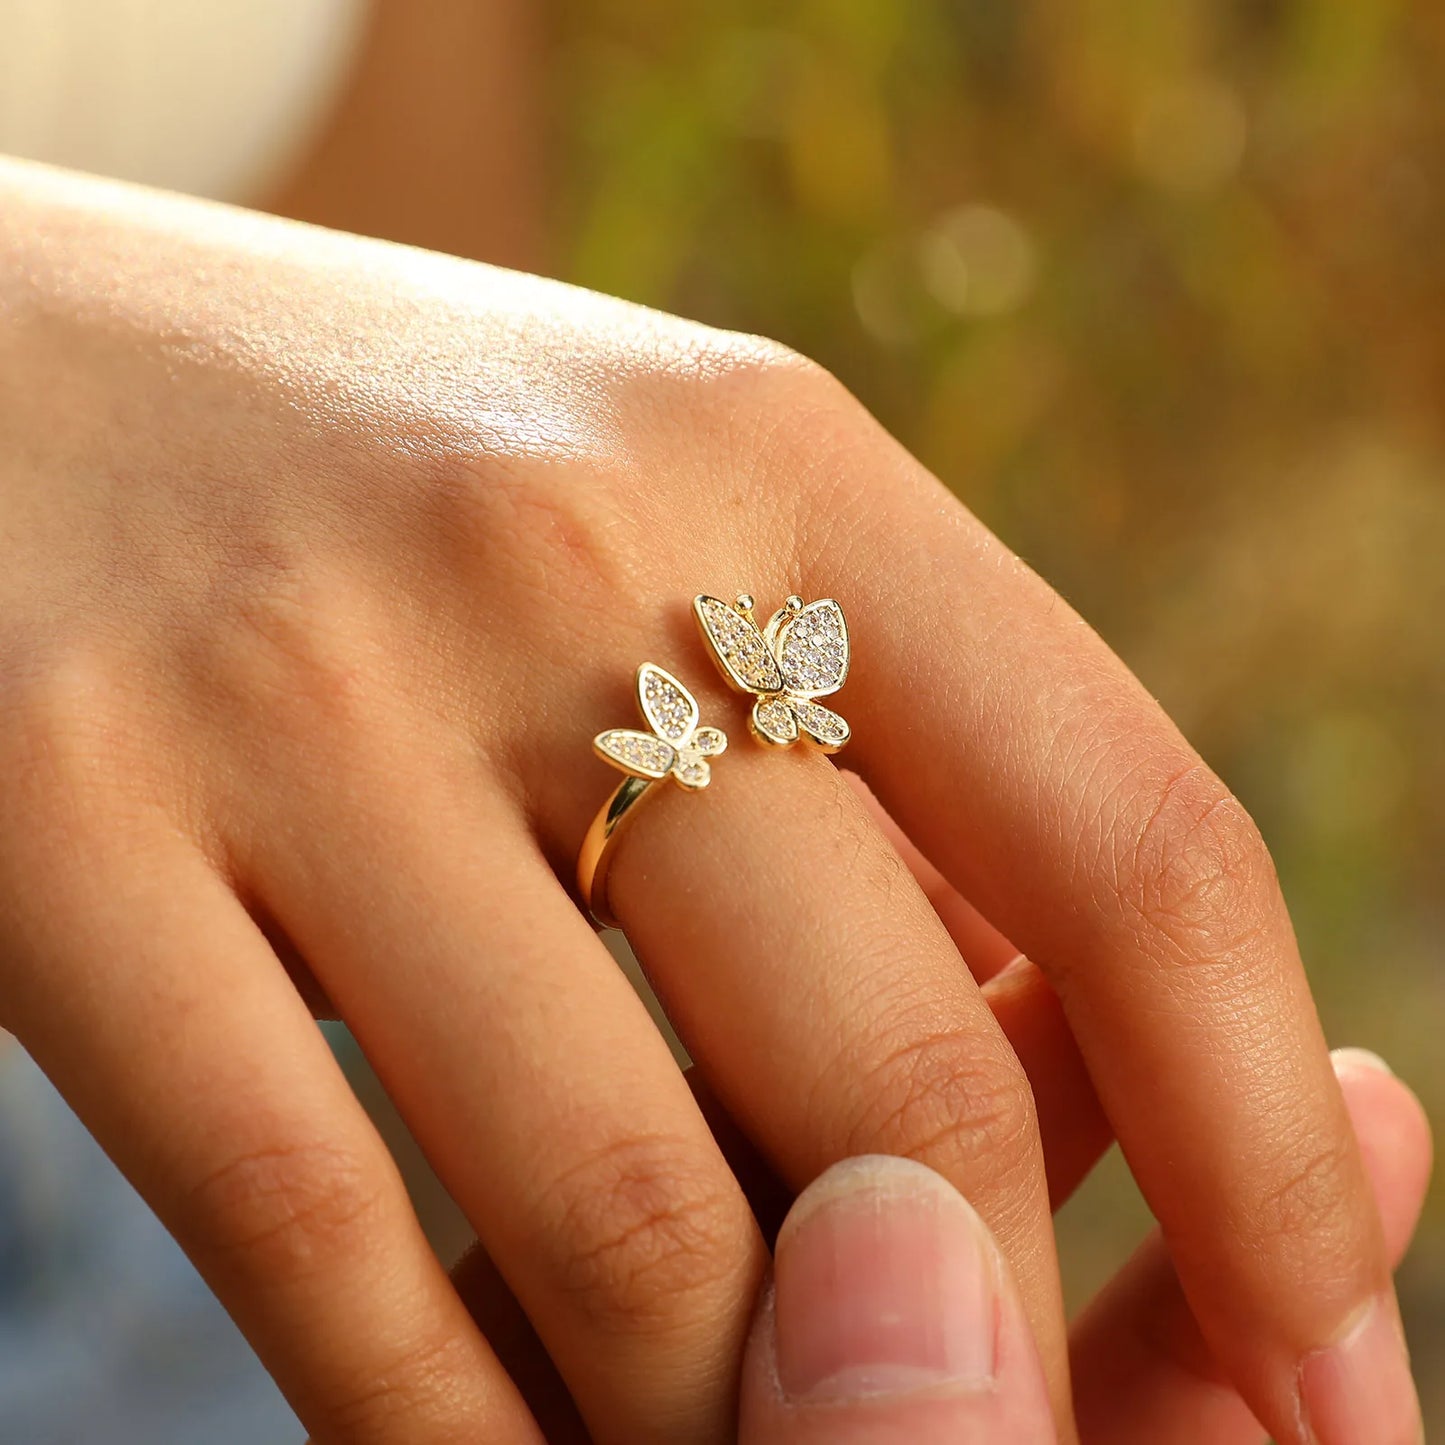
x,y
674,746
595,853
799,655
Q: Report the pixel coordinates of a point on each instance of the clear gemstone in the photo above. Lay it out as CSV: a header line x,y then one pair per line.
x,y
739,646
637,751
692,772
774,719
666,703
821,723
709,742
813,650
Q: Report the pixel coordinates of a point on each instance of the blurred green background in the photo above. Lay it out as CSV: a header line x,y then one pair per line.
x,y
1158,288
1160,291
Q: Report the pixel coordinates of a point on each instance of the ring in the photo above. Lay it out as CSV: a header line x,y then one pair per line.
x,y
676,747
798,657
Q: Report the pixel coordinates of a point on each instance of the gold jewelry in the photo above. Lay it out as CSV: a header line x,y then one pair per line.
x,y
799,656
676,747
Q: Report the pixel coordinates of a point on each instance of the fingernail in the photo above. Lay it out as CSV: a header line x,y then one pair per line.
x,y
1359,1391
1361,1059
886,1284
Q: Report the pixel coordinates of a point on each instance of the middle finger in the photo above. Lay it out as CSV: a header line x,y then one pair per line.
x,y
818,991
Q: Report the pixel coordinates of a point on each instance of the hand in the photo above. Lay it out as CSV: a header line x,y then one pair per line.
x,y
326,560
895,1318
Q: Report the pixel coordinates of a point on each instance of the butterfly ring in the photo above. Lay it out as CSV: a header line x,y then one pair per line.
x,y
675,747
798,656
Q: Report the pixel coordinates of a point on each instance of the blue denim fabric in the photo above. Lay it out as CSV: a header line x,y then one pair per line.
x,y
107,1334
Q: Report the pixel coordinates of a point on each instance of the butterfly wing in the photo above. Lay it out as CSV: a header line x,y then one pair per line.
x,y
811,646
640,754
692,771
692,768
774,721
710,742
821,725
737,646
670,709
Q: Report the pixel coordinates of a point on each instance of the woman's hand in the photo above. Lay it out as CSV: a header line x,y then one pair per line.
x,y
892,1316
326,560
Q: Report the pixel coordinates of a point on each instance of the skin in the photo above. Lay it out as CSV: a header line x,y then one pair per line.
x,y
1142,1373
326,559
437,137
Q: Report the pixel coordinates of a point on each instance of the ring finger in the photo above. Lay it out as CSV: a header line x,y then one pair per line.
x,y
816,988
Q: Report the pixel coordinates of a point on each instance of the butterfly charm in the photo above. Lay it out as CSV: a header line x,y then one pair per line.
x,y
799,656
676,745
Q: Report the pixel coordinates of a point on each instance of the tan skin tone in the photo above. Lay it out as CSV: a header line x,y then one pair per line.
x,y
1142,1373
437,140
326,560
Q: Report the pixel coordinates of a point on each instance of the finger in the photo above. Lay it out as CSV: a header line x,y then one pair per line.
x,y
815,988
985,950
892,1317
511,1334
144,991
541,1092
1143,1374
768,1195
1059,800
1073,1128
504,1323
1074,1131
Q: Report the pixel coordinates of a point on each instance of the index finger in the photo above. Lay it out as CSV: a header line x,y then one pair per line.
x,y
1050,788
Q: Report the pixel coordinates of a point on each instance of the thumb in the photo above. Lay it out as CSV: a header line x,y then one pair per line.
x,y
892,1319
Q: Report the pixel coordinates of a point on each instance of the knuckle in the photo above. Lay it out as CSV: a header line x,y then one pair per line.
x,y
824,456
804,419
733,380
645,1228
779,432
286,645
1307,1202
68,751
420,1384
288,1208
944,1099
687,434
1197,872
49,719
562,530
779,382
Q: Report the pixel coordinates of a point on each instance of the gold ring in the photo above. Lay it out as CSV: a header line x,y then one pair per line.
x,y
676,747
800,655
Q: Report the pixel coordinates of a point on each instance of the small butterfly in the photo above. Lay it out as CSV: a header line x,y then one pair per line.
x,y
801,655
676,744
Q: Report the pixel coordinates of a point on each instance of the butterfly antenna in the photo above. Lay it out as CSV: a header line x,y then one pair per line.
x,y
744,605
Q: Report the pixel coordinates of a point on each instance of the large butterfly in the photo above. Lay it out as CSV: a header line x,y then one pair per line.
x,y
800,656
676,744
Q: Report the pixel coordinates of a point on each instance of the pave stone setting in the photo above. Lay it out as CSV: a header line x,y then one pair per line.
x,y
801,655
676,746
